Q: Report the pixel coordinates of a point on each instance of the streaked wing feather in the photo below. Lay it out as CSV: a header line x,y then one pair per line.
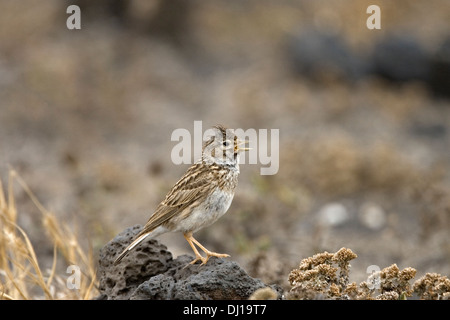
x,y
193,185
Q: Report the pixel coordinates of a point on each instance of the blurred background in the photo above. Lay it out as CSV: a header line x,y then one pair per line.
x,y
86,118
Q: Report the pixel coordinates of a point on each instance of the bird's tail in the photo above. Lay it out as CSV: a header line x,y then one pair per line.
x,y
130,247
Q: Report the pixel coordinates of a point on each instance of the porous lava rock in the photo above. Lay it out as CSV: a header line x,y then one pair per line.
x,y
150,272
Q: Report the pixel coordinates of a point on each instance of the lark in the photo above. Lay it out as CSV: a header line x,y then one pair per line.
x,y
201,196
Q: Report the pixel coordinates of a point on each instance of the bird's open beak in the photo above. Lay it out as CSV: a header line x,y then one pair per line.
x,y
239,143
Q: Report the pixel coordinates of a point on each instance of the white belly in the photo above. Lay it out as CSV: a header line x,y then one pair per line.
x,y
215,206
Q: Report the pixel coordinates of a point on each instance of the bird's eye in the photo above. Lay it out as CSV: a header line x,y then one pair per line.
x,y
226,143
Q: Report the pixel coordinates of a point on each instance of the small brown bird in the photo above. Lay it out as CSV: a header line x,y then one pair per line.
x,y
202,195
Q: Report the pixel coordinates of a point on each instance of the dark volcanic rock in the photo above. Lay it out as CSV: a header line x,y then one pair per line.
x,y
440,70
146,261
218,279
314,53
149,272
401,58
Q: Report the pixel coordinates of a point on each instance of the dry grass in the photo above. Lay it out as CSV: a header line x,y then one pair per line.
x,y
21,275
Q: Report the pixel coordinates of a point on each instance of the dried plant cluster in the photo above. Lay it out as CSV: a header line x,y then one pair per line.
x,y
21,273
391,283
326,276
322,276
433,286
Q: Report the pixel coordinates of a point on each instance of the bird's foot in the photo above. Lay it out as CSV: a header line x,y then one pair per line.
x,y
190,239
199,258
209,254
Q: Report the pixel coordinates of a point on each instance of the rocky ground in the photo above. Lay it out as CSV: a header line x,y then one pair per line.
x,y
151,273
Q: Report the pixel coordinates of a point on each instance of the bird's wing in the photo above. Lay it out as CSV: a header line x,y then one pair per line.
x,y
195,184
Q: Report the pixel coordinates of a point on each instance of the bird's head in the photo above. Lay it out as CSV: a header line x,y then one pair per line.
x,y
223,147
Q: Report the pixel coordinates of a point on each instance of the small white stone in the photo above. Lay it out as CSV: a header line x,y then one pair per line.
x,y
372,216
333,214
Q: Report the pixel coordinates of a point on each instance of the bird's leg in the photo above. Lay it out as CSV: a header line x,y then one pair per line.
x,y
198,256
209,254
190,239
